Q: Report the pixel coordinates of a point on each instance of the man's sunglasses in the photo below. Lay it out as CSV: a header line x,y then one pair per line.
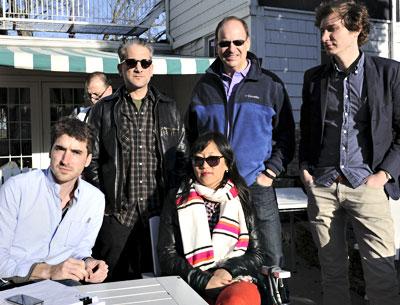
x,y
227,43
212,161
132,63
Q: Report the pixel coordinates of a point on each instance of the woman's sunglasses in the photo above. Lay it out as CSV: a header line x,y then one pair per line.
x,y
227,43
212,161
132,63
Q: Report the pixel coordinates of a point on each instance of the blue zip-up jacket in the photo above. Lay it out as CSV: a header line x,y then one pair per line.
x,y
261,125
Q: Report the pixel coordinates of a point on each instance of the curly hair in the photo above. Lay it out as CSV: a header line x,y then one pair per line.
x,y
354,15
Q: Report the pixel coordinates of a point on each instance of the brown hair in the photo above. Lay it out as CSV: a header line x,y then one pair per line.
x,y
354,15
73,128
229,18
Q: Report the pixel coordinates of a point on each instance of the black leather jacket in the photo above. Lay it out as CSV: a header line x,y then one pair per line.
x,y
172,259
106,171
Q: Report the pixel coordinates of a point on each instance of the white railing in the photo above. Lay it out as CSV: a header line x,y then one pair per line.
x,y
113,12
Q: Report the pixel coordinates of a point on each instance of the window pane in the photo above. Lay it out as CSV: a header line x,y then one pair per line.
x,y
3,161
25,131
25,97
25,112
27,162
3,95
67,96
15,125
55,96
70,98
79,96
4,151
13,96
14,131
14,113
15,148
26,147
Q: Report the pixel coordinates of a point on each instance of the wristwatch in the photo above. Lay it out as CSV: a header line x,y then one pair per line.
x,y
266,173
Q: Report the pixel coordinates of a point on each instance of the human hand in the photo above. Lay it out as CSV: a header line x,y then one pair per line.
x,y
377,180
73,269
263,180
220,278
306,178
97,270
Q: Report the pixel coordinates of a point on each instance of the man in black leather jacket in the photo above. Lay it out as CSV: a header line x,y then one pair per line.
x,y
138,151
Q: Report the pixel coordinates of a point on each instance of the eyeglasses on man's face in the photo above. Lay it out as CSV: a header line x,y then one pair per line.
x,y
227,43
95,96
132,63
212,161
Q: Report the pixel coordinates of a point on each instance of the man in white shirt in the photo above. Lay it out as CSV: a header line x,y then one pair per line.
x,y
49,219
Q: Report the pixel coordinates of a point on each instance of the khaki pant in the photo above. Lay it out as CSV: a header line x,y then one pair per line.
x,y
368,210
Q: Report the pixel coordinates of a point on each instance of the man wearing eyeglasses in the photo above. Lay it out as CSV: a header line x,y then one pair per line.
x,y
140,145
251,107
97,86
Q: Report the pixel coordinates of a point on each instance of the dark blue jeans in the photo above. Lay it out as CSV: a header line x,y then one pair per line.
x,y
269,224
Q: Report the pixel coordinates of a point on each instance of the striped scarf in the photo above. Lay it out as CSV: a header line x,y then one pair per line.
x,y
230,237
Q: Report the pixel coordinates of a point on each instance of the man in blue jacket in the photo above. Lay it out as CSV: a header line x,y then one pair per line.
x,y
250,106
350,154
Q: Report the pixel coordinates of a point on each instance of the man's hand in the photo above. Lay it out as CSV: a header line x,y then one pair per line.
x,y
377,180
220,278
264,180
70,269
306,177
97,270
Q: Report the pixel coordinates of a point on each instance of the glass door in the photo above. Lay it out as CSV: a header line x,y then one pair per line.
x,y
19,139
59,100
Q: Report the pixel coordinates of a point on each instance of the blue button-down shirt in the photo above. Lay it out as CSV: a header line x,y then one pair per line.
x,y
346,146
32,229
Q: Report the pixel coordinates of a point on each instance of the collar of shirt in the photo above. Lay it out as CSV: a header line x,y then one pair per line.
x,y
149,97
355,67
55,187
242,73
237,77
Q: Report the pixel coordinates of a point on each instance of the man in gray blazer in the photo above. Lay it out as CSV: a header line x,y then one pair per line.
x,y
350,154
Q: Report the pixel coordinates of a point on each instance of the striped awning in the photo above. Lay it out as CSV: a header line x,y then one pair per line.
x,y
90,60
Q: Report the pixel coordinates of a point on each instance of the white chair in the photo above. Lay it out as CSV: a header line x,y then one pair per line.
x,y
11,169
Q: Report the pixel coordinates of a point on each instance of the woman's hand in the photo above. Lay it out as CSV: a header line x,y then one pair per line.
x,y
220,278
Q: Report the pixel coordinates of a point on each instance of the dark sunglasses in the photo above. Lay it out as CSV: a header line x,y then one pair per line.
x,y
132,63
227,43
212,161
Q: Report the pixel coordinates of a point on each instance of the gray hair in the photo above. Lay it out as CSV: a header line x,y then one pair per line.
x,y
123,48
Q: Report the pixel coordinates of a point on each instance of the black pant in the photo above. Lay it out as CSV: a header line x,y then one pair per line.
x,y
127,251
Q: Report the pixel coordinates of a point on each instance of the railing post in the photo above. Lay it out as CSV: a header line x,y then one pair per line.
x,y
73,10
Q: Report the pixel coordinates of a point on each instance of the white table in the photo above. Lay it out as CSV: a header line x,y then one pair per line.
x,y
169,290
291,200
